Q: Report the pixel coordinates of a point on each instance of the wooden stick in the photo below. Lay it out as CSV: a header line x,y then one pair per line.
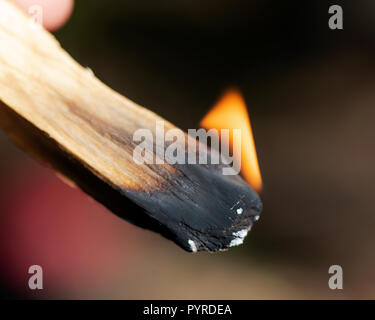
x,y
57,110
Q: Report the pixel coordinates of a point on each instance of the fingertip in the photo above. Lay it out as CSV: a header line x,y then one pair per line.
x,y
54,13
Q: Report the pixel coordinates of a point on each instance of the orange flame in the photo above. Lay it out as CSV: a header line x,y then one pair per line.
x,y
231,113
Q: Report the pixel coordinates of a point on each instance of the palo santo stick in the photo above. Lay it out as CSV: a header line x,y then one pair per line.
x,y
57,110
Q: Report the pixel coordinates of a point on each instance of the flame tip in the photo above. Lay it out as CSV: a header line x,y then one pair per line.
x,y
230,112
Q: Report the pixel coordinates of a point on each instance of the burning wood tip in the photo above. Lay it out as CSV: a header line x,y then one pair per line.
x,y
203,210
57,110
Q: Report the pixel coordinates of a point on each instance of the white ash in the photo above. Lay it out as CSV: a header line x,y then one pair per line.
x,y
239,237
193,246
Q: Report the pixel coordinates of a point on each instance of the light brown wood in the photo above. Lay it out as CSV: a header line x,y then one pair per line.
x,y
44,85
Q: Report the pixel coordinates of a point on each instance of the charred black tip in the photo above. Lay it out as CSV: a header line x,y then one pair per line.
x,y
202,210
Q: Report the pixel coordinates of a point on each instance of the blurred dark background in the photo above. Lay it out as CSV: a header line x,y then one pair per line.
x,y
310,93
